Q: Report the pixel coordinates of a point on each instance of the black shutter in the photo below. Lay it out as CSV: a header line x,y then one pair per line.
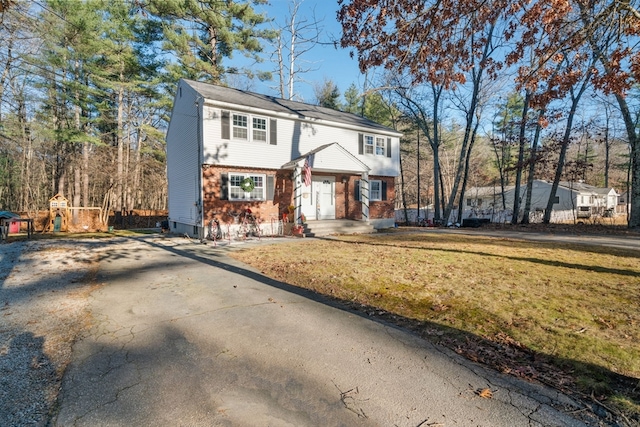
x,y
226,126
357,190
224,186
271,181
273,132
360,144
383,189
388,147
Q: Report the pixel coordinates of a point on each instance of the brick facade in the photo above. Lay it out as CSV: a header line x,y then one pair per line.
x,y
347,206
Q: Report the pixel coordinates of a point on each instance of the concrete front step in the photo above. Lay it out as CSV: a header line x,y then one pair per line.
x,y
336,226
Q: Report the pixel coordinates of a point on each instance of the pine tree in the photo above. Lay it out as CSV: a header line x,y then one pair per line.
x,y
201,33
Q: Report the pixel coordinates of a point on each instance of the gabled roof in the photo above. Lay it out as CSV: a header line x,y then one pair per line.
x,y
329,157
283,106
581,187
487,191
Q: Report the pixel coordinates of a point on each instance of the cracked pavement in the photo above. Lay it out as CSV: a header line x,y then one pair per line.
x,y
184,335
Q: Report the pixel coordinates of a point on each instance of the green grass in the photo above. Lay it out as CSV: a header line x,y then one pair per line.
x,y
575,309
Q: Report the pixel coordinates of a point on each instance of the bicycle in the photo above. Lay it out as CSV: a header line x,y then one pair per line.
x,y
249,225
214,232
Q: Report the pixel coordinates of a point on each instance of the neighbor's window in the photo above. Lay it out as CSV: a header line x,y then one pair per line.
x,y
368,144
237,187
239,126
380,146
375,191
259,129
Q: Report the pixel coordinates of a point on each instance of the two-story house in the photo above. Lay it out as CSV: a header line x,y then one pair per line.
x,y
230,150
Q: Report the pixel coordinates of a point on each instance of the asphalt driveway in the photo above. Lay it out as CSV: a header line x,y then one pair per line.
x,y
182,335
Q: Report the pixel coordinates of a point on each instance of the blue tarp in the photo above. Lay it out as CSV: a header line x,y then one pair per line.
x,y
7,214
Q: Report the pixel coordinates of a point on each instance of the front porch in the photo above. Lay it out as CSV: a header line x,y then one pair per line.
x,y
329,183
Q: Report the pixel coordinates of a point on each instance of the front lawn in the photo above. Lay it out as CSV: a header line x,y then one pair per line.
x,y
565,315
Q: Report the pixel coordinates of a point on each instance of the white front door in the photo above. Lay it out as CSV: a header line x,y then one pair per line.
x,y
318,200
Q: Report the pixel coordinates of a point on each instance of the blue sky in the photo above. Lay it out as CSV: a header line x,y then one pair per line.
x,y
331,63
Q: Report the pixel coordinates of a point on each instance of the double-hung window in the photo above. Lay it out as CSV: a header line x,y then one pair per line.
x,y
375,190
375,145
246,186
259,129
368,144
240,126
380,146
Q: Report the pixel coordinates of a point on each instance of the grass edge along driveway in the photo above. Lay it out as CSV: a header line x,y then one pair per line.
x,y
566,315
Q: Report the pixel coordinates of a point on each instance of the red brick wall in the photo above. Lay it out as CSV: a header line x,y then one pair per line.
x,y
377,209
346,207
224,210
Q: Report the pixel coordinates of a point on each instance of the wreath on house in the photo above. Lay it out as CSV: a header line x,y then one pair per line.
x,y
247,185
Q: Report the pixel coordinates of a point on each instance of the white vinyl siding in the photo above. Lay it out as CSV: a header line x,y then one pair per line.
x,y
182,158
295,138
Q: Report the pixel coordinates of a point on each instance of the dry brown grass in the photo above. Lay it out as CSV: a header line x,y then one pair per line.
x,y
573,308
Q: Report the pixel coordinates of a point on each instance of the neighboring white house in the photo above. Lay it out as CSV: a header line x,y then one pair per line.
x,y
573,200
230,150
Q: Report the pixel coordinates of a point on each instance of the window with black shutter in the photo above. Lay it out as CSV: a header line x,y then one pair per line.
x,y
224,186
273,132
226,126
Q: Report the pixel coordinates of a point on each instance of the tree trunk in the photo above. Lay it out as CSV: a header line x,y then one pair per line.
x,y
76,189
575,98
120,142
403,191
466,172
292,51
520,164
435,148
477,73
85,174
533,158
634,142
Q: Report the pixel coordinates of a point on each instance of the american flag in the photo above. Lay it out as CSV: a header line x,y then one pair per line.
x,y
307,172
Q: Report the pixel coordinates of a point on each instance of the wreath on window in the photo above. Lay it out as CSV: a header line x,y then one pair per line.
x,y
247,185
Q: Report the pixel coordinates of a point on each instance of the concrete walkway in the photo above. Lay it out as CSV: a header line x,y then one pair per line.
x,y
184,336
